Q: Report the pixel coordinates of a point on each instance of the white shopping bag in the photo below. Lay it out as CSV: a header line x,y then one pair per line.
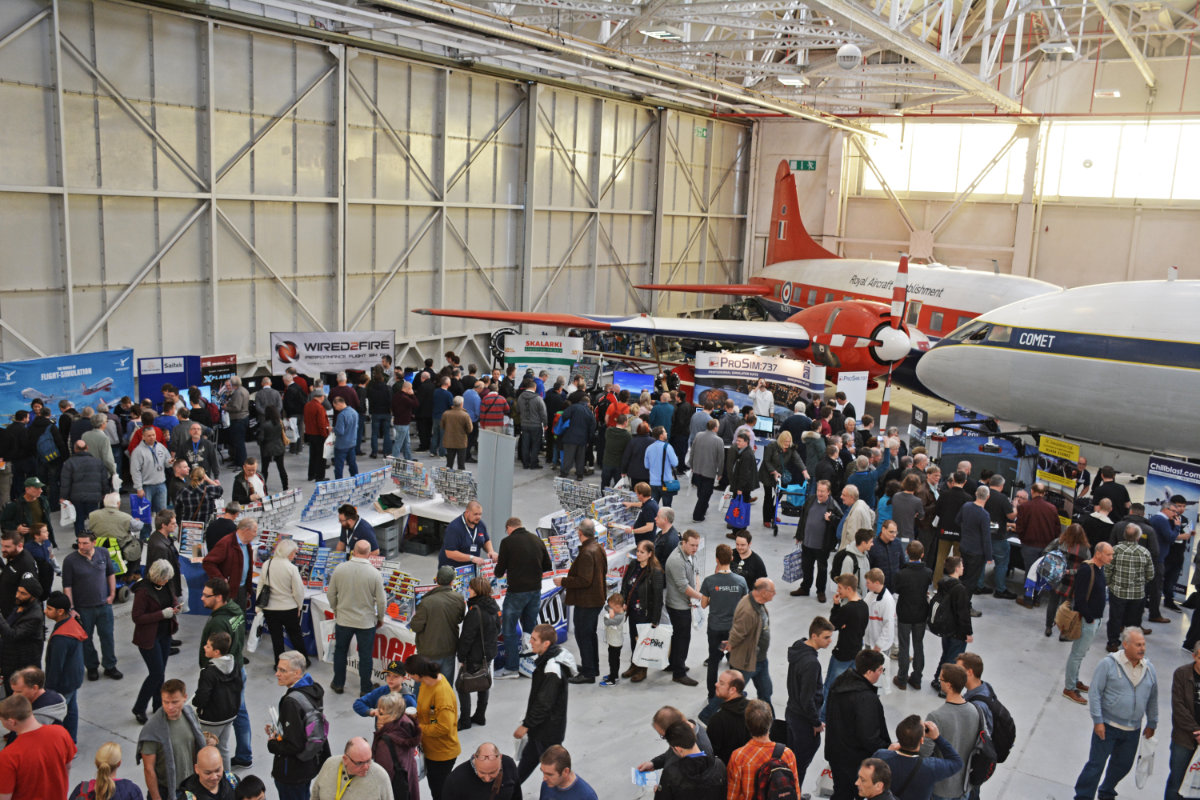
x,y
327,631
697,617
1190,787
623,483
653,647
725,500
254,632
825,783
327,451
67,515
1145,761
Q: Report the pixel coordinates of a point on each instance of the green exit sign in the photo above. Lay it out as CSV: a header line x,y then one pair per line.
x,y
802,165
701,133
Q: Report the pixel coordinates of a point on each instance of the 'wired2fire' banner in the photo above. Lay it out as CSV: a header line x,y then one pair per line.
x,y
312,353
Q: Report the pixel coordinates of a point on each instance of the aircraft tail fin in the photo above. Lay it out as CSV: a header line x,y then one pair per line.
x,y
788,240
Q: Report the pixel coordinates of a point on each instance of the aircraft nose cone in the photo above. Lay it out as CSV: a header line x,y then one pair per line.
x,y
895,344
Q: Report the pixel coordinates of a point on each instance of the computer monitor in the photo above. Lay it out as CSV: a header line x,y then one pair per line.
x,y
205,391
764,425
635,382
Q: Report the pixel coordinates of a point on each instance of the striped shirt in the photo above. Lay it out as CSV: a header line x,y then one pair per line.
x,y
492,409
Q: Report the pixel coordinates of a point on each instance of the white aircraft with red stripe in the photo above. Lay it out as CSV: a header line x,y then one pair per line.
x,y
827,309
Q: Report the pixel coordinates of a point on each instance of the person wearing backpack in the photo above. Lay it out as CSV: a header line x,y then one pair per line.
x,y
950,616
1000,724
762,769
854,560
914,769
960,723
300,743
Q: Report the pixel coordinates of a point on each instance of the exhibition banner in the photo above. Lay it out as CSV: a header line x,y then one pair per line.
x,y
854,384
1165,478
557,356
716,369
1058,468
918,427
313,353
86,379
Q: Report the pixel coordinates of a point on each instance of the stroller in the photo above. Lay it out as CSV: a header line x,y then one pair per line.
x,y
789,504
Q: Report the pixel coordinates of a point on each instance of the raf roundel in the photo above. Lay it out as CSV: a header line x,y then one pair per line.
x,y
287,351
785,294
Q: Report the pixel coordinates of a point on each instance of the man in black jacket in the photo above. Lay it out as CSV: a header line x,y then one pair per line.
x,y
293,769
816,532
545,721
727,728
694,774
486,775
912,613
742,472
856,726
950,501
17,563
958,599
830,468
523,558
804,683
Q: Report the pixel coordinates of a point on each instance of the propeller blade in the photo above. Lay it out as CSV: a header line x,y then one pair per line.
x,y
886,405
900,291
842,340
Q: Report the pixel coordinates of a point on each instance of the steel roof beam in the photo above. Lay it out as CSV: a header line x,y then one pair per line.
x,y
1105,8
917,51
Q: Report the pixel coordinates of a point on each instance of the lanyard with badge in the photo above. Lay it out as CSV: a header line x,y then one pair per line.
x,y
341,790
476,542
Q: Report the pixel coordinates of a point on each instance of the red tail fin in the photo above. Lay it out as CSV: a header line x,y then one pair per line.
x,y
788,240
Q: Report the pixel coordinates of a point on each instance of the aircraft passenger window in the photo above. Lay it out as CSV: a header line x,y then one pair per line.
x,y
914,312
1000,334
935,321
847,297
812,297
829,297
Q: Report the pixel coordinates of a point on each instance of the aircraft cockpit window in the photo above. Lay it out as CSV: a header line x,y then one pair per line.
x,y
999,334
971,332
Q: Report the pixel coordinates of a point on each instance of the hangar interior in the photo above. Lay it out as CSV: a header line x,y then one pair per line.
x,y
191,176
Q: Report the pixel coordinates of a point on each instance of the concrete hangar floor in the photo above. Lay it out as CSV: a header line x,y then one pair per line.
x,y
609,730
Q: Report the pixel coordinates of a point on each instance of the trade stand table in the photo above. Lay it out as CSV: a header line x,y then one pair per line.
x,y
328,529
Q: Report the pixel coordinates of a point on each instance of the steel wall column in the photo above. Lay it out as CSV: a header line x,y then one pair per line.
x,y
64,220
532,98
599,109
656,242
209,147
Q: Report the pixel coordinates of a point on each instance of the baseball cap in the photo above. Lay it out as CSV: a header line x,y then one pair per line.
x,y
395,668
35,483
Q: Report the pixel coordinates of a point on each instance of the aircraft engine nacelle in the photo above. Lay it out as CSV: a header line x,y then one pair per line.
x,y
838,330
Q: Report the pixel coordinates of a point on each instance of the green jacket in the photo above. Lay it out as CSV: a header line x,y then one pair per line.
x,y
232,620
16,512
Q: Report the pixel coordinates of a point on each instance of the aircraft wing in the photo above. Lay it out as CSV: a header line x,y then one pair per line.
x,y
733,289
771,334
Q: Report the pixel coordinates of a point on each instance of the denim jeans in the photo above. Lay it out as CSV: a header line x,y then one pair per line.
x,y
916,634
155,657
584,622
1001,549
1117,749
520,607
951,649
381,427
342,457
530,445
292,791
71,723
101,618
156,493
341,649
447,666
241,727
1079,649
761,678
401,448
1177,768
362,432
435,445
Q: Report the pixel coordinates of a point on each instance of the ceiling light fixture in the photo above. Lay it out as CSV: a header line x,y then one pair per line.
x,y
1057,48
1106,93
792,80
664,33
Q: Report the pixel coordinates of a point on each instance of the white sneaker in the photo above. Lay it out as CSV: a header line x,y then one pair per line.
x,y
501,674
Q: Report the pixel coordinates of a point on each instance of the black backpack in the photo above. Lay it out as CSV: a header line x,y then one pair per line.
x,y
982,761
1004,729
774,779
941,619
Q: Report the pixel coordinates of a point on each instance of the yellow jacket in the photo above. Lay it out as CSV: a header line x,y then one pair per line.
x,y
437,714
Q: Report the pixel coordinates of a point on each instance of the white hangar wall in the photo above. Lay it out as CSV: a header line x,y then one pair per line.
x,y
183,185
1101,189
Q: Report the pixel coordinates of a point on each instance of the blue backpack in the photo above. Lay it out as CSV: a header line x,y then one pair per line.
x,y
47,450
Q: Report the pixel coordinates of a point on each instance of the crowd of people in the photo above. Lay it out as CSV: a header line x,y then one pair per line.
x,y
892,549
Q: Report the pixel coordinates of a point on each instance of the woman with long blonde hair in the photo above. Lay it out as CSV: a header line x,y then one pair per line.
x,y
106,785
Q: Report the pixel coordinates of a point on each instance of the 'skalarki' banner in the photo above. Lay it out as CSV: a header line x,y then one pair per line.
x,y
312,353
1058,468
557,356
85,379
1165,478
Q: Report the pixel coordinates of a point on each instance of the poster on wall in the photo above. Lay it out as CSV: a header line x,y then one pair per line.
x,y
1058,468
312,353
557,356
214,371
1167,478
86,379
918,427
721,376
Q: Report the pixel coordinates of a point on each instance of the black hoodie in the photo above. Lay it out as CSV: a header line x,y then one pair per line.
x,y
219,691
804,683
912,593
698,777
855,727
959,600
727,728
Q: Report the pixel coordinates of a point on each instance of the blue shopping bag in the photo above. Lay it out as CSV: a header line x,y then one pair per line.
x,y
738,515
139,508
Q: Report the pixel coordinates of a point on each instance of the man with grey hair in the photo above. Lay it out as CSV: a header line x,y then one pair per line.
x,y
666,538
679,594
354,775
1087,599
237,405
858,515
98,443
456,426
585,589
1003,515
233,560
1127,575
1124,690
293,769
198,451
976,544
358,602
